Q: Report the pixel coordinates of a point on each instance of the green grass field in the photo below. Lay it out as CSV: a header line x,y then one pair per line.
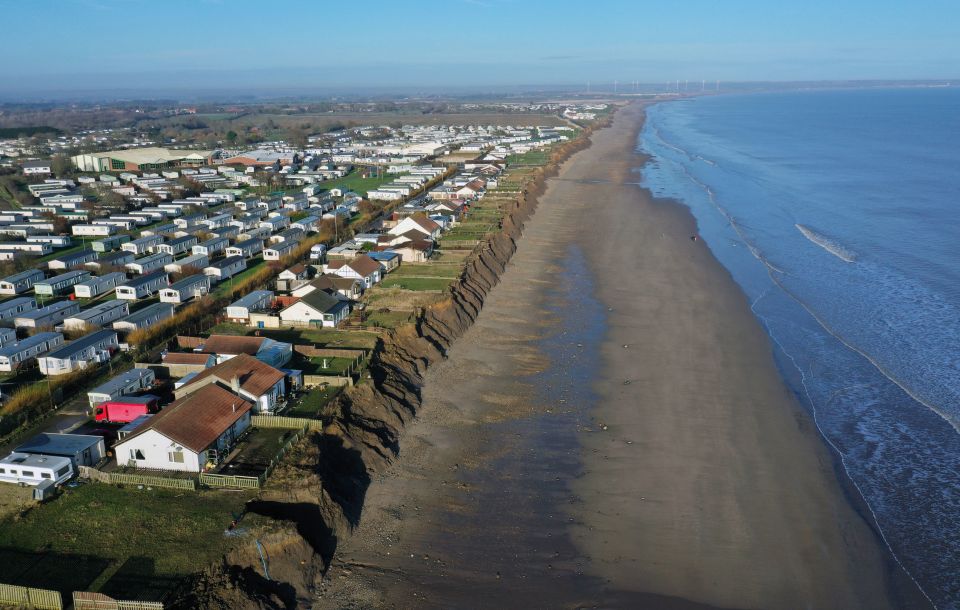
x,y
355,182
313,402
129,543
427,270
416,283
320,336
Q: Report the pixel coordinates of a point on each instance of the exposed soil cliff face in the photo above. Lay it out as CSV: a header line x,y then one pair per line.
x,y
317,496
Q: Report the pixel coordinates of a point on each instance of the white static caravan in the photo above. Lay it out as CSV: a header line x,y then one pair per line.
x,y
57,241
178,245
212,246
60,284
96,286
247,248
98,316
307,224
7,336
225,268
275,223
191,287
14,307
197,261
108,244
69,261
16,354
292,234
217,220
21,246
20,282
143,245
111,259
124,384
51,315
278,251
143,286
144,318
158,230
257,300
93,230
151,262
92,349
32,470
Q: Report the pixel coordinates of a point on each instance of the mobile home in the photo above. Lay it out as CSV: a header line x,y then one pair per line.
x,y
20,282
144,318
96,286
178,245
17,354
143,245
247,248
92,349
225,268
197,261
143,286
60,284
190,287
124,384
151,262
12,308
212,246
278,251
98,316
51,315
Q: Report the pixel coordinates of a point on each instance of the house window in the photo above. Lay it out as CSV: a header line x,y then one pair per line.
x,y
136,454
175,456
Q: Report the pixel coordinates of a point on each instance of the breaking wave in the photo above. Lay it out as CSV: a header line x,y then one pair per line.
x,y
828,244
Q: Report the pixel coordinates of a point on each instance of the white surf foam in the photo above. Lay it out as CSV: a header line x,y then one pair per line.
x,y
828,244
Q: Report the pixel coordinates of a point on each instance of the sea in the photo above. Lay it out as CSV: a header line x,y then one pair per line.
x,y
838,213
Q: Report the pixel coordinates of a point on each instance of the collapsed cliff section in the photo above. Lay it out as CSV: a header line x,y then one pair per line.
x,y
316,497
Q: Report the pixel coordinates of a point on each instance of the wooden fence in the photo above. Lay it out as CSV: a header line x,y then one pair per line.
x,y
41,599
84,600
229,480
120,478
289,423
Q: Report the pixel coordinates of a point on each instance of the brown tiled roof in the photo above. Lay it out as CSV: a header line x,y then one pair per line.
x,y
254,376
197,421
229,344
298,268
428,225
364,265
185,358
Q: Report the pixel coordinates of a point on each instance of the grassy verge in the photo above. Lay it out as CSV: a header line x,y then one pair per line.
x,y
416,283
313,402
147,539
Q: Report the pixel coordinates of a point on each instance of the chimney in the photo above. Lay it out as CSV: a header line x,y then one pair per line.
x,y
235,384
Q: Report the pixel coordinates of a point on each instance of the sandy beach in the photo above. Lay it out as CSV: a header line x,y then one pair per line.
x,y
612,432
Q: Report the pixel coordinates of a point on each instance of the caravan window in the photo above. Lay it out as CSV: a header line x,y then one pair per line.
x,y
45,475
63,471
27,473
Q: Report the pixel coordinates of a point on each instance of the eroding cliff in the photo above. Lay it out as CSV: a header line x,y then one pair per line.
x,y
315,498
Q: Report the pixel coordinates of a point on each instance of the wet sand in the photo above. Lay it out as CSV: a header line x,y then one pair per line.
x,y
612,432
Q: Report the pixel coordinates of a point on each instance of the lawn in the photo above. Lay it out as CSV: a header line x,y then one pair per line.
x,y
313,402
355,182
427,270
129,543
416,283
225,286
533,157
321,336
388,319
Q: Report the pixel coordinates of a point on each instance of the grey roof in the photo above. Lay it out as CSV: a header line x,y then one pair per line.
x,y
323,302
51,443
120,381
19,346
82,343
189,281
252,298
100,308
145,279
148,312
36,314
69,275
226,262
23,275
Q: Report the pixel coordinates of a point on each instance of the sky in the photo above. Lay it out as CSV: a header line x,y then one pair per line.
x,y
479,45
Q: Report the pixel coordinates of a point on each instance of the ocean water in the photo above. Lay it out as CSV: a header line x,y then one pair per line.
x,y
838,212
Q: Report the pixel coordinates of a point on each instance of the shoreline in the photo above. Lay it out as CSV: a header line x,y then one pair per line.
x,y
478,393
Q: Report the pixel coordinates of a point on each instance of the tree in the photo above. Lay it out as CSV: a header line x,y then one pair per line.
x,y
231,136
61,165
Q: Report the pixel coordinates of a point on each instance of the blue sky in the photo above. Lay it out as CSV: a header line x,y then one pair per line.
x,y
118,44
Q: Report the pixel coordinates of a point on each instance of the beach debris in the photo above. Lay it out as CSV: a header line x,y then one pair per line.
x,y
627,382
625,346
603,426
